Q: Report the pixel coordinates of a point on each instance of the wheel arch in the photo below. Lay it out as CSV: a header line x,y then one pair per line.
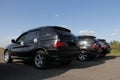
x,y
83,50
40,49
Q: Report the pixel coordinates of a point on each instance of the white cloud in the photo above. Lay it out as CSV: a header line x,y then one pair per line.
x,y
87,32
114,34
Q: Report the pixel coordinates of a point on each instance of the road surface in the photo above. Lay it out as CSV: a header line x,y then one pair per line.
x,y
100,69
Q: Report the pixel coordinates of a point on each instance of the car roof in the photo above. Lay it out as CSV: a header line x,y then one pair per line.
x,y
54,27
83,36
101,39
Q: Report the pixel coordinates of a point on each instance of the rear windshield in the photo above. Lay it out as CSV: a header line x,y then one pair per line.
x,y
88,40
67,36
101,43
104,43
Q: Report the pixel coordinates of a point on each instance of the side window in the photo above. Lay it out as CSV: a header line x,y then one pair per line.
x,y
47,33
32,36
22,38
39,34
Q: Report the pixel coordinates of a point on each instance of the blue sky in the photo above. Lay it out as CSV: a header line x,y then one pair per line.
x,y
96,17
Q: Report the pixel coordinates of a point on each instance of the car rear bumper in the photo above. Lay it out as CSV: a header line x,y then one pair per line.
x,y
106,51
93,52
64,54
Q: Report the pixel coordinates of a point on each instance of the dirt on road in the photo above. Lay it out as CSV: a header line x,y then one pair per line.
x,y
107,68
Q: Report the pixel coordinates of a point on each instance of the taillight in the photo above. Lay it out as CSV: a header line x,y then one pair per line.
x,y
58,44
94,46
105,46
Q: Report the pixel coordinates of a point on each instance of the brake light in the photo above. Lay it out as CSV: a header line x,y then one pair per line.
x,y
94,46
58,44
105,46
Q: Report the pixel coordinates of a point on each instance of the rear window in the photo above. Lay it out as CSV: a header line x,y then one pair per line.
x,y
65,34
88,40
68,37
101,43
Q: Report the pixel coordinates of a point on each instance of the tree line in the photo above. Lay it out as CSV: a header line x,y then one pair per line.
x,y
115,44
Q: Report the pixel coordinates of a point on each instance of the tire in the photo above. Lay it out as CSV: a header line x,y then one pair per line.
x,y
7,57
83,56
40,61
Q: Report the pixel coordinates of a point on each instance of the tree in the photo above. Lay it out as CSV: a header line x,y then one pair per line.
x,y
115,45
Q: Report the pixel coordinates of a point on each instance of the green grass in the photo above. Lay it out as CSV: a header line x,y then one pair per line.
x,y
115,52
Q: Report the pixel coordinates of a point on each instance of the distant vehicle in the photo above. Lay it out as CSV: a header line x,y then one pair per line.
x,y
43,45
105,46
89,47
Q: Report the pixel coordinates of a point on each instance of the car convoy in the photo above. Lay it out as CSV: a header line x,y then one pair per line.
x,y
49,44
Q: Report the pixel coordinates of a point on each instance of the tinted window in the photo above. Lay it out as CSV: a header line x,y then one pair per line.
x,y
22,38
32,36
46,33
87,41
67,36
101,43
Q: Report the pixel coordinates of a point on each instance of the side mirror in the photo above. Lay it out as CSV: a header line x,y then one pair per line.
x,y
13,41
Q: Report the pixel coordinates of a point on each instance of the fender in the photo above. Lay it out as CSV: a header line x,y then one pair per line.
x,y
40,49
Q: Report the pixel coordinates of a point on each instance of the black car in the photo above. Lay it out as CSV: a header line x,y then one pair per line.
x,y
43,45
89,47
105,47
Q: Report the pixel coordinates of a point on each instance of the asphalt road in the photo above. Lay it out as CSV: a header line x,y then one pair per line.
x,y
100,69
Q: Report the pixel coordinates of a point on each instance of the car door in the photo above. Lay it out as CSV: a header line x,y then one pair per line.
x,y
25,44
18,48
31,42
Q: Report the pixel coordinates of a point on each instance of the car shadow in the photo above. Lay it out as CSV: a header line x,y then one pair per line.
x,y
25,70
109,57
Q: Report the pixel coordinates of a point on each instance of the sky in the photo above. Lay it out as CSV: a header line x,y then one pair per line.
x,y
100,18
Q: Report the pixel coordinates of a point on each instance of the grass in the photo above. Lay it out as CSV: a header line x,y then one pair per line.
x,y
115,52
